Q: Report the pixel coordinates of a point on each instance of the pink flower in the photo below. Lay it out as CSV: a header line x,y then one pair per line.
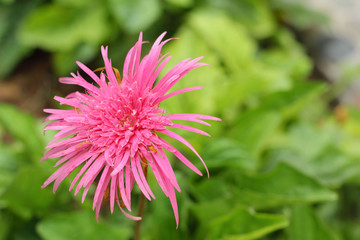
x,y
111,132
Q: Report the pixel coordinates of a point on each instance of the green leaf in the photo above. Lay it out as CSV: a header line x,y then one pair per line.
x,y
80,226
315,151
60,28
11,53
300,15
234,77
224,36
24,195
7,1
12,50
332,168
310,140
254,129
289,103
24,128
227,152
305,224
208,100
244,224
287,56
255,15
350,229
161,210
281,186
24,230
206,211
70,3
137,15
8,165
351,135
4,223
181,3
64,61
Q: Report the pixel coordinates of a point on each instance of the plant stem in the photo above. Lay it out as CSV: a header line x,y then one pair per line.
x,y
141,209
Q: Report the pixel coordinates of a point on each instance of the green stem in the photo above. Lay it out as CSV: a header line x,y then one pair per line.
x,y
141,210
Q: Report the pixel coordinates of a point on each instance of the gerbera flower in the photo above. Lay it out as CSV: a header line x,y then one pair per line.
x,y
112,130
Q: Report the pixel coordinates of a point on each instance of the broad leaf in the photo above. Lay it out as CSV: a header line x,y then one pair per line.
x,y
305,224
64,61
24,195
316,151
8,165
161,210
228,153
244,224
300,15
24,128
59,28
12,50
287,56
255,15
79,226
282,186
225,36
181,3
135,16
254,129
290,102
4,227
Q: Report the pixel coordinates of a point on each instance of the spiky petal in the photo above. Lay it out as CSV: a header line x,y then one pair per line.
x,y
111,132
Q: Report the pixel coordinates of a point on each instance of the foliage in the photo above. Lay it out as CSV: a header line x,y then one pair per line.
x,y
283,165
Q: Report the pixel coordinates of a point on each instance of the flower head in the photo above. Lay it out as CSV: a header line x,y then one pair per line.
x,y
111,133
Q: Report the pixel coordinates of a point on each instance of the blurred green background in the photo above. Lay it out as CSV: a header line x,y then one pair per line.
x,y
284,163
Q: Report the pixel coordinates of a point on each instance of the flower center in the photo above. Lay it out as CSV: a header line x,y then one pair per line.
x,y
124,119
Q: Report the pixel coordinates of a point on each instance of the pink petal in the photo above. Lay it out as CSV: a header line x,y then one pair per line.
x,y
65,158
79,81
125,159
192,117
122,190
168,169
130,216
143,178
137,178
186,143
128,184
83,169
181,157
112,130
100,186
188,128
91,74
156,171
91,173
179,92
86,190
